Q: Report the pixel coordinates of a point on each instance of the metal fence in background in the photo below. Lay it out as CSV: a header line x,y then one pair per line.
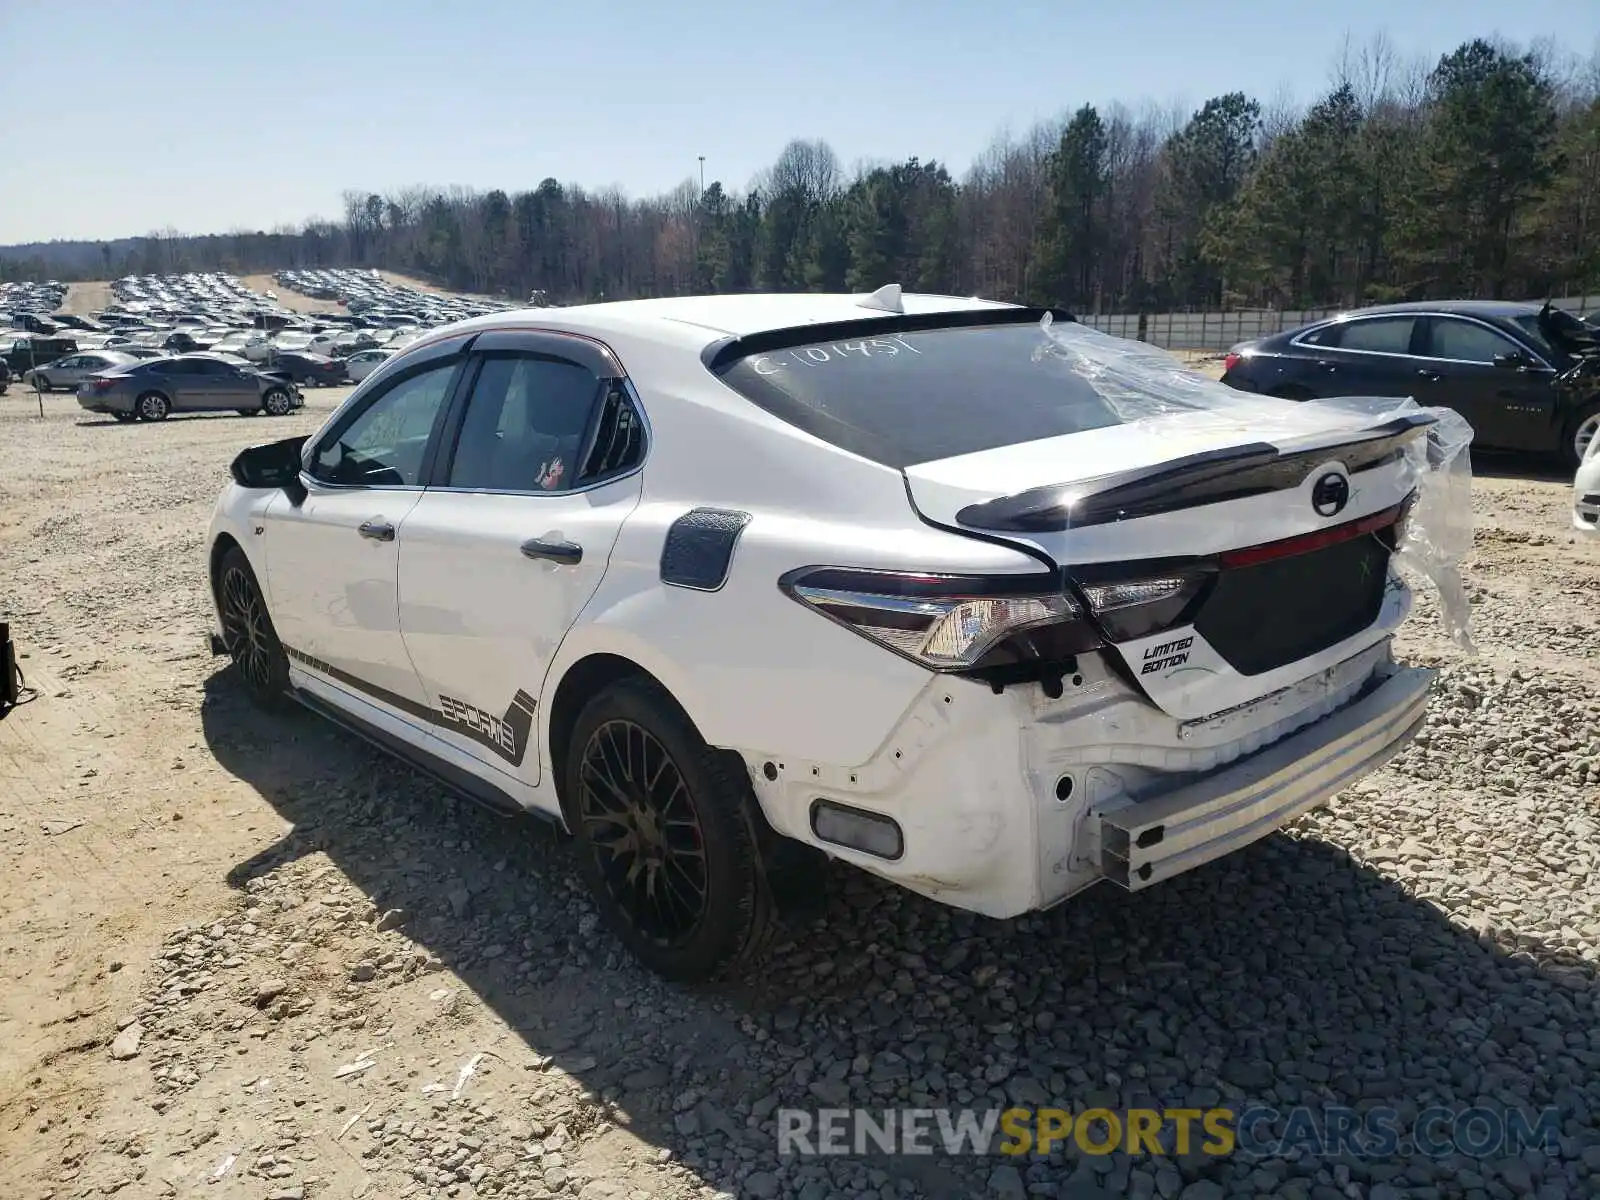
x,y
1217,331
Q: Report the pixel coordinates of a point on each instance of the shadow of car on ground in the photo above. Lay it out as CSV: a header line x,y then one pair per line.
x,y
1286,975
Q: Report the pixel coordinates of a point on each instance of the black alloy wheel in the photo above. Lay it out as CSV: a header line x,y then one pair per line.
x,y
667,829
642,823
247,632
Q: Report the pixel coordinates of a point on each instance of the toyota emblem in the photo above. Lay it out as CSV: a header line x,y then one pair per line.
x,y
1330,494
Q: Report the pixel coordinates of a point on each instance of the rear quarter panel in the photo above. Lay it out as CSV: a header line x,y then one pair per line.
x,y
755,670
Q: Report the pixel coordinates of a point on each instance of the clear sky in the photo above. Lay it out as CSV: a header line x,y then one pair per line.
x,y
124,116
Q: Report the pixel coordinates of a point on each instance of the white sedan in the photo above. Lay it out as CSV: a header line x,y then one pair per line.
x,y
1586,491
723,585
364,362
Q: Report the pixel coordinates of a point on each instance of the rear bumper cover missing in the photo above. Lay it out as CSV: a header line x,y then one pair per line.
x,y
1146,842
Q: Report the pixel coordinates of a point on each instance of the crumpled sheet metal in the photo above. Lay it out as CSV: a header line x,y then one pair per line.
x,y
1142,383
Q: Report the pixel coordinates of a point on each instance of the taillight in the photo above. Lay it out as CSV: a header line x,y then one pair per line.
x,y
951,623
1230,361
104,385
1128,609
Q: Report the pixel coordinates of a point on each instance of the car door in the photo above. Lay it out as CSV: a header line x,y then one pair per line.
x,y
498,559
1505,391
214,385
332,559
81,366
1363,356
65,372
183,383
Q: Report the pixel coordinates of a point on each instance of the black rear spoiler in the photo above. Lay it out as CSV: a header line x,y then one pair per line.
x,y
1207,478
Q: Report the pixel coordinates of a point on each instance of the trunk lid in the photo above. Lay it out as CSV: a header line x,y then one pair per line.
x,y
1274,536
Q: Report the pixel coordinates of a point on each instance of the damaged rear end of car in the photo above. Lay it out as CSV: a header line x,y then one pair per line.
x,y
1203,651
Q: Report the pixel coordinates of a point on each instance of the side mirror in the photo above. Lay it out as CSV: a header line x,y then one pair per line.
x,y
275,465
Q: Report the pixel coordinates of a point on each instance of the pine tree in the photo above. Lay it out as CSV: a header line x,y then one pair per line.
x,y
1070,238
1487,155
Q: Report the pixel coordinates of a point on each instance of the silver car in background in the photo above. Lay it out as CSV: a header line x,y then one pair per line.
x,y
72,370
152,390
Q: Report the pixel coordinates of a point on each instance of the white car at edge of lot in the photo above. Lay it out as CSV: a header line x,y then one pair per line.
x,y
726,584
364,362
1586,491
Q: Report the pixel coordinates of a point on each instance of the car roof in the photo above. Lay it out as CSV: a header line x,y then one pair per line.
x,y
1475,308
695,322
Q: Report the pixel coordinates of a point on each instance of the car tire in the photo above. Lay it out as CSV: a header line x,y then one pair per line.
x,y
247,631
152,406
1584,423
685,825
276,403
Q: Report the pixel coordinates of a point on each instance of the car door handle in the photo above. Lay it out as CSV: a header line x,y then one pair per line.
x,y
1430,375
567,553
378,531
1324,365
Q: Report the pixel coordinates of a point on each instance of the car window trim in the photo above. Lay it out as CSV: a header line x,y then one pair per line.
x,y
1299,343
347,416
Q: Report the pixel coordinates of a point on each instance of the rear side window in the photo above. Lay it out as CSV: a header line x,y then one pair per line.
x,y
525,425
1379,335
906,398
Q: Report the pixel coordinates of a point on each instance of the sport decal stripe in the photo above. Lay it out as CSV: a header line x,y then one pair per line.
x,y
507,736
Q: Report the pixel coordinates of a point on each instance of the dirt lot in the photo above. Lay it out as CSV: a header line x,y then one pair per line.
x,y
248,957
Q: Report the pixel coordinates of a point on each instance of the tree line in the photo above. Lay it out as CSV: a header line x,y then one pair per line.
x,y
1477,175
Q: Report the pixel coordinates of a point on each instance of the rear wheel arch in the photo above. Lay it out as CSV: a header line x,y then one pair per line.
x,y
219,550
582,681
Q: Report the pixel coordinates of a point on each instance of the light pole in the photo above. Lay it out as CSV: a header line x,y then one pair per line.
x,y
699,215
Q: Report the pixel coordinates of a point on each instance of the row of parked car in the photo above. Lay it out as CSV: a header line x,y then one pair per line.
x,y
213,314
366,292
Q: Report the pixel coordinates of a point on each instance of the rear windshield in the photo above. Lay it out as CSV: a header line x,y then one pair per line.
x,y
906,398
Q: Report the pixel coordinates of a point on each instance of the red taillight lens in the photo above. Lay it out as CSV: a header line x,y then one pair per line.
x,y
950,622
104,385
1230,361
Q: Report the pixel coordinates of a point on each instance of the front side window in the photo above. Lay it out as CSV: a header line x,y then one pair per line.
x,y
1379,335
1468,341
525,425
384,444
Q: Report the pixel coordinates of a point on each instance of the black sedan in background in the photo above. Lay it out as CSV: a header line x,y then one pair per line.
x,y
310,370
1508,368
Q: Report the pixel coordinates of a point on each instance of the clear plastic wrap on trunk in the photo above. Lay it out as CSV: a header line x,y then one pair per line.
x,y
1147,386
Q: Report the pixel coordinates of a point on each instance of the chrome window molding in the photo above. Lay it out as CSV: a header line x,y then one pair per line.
x,y
1301,344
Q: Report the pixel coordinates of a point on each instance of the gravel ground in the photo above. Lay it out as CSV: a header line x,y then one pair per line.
x,y
248,956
